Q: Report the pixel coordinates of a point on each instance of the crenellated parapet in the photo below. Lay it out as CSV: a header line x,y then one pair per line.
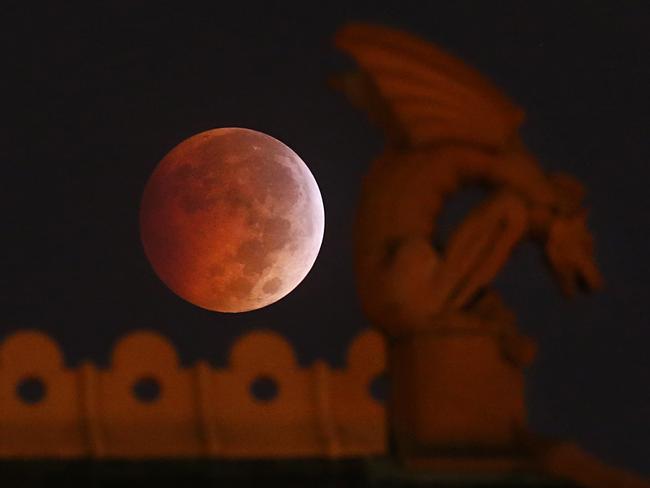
x,y
147,405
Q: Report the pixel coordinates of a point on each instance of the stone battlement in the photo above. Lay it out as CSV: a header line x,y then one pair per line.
x,y
146,405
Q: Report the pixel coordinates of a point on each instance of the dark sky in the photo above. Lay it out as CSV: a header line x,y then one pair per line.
x,y
96,96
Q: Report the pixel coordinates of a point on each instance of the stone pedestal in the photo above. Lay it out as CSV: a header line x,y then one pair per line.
x,y
456,401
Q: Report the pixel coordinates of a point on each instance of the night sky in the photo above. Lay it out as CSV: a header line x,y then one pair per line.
x,y
95,97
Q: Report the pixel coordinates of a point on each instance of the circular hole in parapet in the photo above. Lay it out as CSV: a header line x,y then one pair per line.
x,y
378,388
31,390
264,389
147,389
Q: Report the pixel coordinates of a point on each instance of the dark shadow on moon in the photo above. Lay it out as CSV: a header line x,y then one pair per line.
x,y
272,285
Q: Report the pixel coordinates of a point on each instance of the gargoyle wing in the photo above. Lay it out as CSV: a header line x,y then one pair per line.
x,y
421,95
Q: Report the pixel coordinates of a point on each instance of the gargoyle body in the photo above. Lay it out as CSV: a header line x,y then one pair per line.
x,y
447,128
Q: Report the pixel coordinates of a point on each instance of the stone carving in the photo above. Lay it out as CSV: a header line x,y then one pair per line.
x,y
192,411
455,354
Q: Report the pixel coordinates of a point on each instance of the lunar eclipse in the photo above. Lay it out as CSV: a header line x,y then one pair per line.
x,y
231,220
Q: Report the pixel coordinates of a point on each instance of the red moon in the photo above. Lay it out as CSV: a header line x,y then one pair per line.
x,y
231,220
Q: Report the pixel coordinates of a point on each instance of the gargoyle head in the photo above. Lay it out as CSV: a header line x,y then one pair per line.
x,y
569,243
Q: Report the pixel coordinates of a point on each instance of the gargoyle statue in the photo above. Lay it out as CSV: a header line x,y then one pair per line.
x,y
447,127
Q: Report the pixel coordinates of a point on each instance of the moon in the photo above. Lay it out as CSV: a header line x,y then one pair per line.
x,y
231,220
